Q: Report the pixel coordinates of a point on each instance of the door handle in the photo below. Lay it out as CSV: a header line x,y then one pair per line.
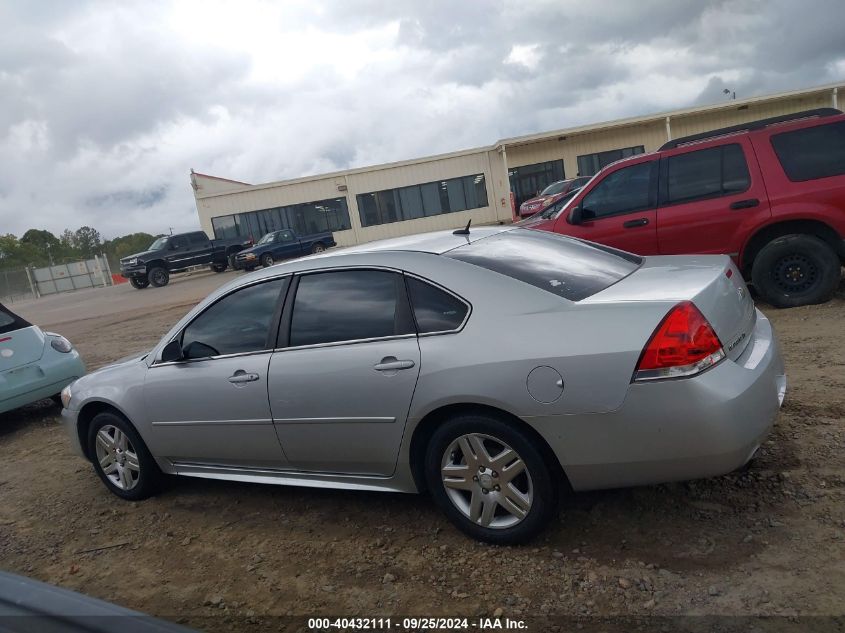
x,y
745,204
390,363
240,377
630,224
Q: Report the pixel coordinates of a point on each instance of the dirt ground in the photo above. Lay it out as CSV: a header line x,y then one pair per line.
x,y
767,541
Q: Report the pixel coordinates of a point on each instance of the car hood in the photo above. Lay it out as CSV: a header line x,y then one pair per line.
x,y
141,254
252,249
537,200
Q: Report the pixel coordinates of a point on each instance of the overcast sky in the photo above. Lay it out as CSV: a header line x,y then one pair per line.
x,y
106,106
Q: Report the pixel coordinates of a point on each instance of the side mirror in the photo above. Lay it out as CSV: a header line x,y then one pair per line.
x,y
575,215
172,352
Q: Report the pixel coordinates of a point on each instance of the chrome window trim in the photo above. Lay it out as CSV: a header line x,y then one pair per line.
x,y
395,337
189,361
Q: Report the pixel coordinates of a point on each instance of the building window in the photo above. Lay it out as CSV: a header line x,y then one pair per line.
x,y
306,219
590,164
529,180
418,201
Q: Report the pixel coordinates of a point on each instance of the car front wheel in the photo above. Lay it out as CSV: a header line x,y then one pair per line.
x,y
490,479
139,283
159,277
121,458
266,260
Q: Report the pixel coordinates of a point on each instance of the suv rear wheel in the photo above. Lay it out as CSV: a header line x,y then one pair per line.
x,y
490,479
796,270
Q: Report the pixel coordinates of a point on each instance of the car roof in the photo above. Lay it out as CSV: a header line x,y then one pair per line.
x,y
437,242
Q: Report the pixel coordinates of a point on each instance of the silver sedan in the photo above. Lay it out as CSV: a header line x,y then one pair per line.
x,y
494,368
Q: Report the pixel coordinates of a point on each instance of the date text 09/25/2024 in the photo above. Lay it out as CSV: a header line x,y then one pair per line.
x,y
415,624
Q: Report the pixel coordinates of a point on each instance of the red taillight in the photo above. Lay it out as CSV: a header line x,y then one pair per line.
x,y
682,345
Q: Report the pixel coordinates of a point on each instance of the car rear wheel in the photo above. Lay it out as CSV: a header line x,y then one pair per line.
x,y
121,458
796,270
318,248
158,277
490,479
267,260
139,282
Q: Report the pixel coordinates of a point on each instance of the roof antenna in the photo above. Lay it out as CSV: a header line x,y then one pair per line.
x,y
463,231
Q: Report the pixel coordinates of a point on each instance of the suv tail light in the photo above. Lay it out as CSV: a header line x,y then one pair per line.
x,y
684,344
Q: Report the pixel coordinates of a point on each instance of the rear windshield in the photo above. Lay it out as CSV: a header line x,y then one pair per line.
x,y
9,321
564,266
813,152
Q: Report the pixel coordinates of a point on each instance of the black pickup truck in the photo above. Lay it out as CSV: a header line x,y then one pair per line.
x,y
279,245
175,253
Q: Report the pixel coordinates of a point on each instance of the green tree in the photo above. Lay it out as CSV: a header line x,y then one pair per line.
x,y
87,241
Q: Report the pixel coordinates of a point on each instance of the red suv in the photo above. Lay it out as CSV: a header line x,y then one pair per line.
x,y
548,196
771,194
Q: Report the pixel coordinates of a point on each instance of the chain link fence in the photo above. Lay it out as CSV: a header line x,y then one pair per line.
x,y
16,285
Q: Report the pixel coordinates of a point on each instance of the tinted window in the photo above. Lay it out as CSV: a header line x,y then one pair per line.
x,y
434,309
9,321
345,306
706,173
197,238
815,152
284,236
178,242
239,322
624,191
566,267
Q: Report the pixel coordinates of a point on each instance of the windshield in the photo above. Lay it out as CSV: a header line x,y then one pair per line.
x,y
158,245
267,238
558,206
555,187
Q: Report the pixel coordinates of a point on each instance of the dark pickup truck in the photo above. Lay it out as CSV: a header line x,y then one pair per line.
x,y
279,245
175,253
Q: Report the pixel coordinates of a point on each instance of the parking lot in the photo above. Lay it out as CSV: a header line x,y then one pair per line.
x,y
769,540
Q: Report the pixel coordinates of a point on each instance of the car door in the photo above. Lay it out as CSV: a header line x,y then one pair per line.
x,y
341,388
178,256
710,199
200,249
285,245
619,209
212,407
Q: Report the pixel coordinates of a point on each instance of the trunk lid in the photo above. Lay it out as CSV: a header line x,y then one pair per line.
x,y
711,282
21,347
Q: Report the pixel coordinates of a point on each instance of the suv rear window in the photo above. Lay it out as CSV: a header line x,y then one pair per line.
x,y
813,152
564,266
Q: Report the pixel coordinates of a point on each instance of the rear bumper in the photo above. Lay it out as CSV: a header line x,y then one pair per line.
x,y
678,429
49,375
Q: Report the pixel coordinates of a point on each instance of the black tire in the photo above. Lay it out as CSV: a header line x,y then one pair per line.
x,y
796,270
148,479
219,267
139,283
249,269
57,399
158,276
537,479
319,247
267,260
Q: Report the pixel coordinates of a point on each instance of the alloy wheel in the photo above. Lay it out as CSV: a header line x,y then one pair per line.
x,y
487,481
117,457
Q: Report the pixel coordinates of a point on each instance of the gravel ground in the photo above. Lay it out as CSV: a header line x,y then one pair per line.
x,y
768,540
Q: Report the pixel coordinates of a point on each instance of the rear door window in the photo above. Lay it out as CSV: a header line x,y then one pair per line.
x,y
706,173
563,266
349,305
813,152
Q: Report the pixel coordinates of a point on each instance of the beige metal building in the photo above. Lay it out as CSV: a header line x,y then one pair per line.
x,y
445,191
